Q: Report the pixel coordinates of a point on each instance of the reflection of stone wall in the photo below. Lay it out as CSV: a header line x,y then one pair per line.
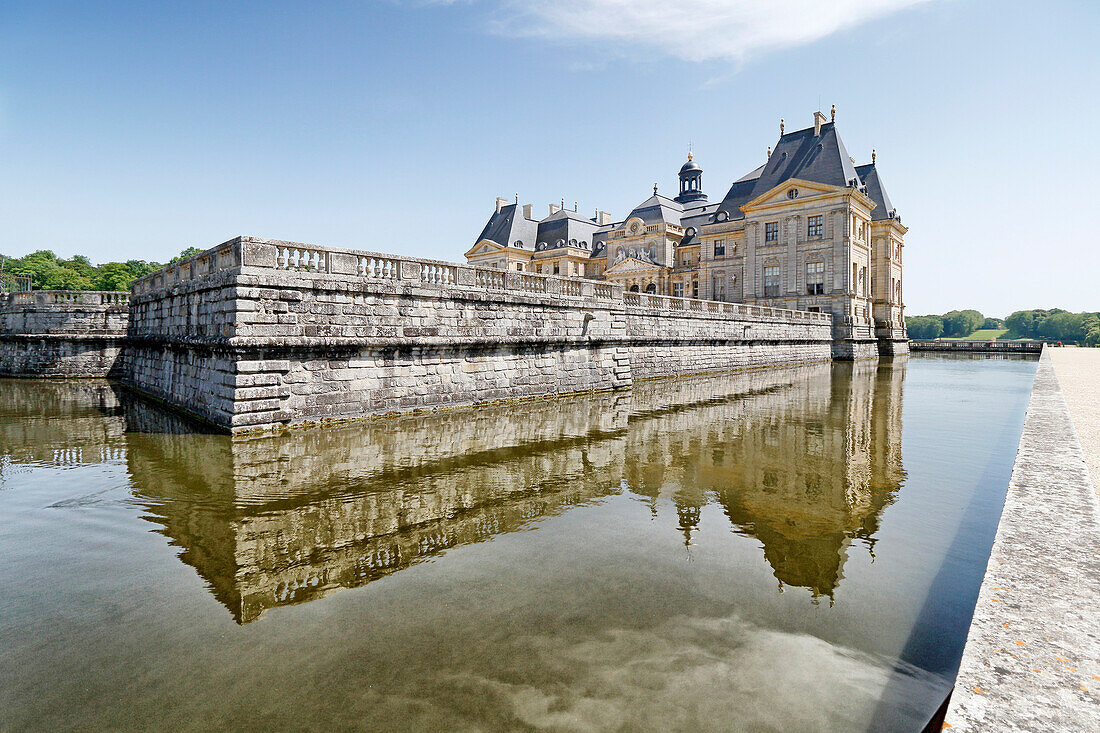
x,y
61,423
285,519
802,459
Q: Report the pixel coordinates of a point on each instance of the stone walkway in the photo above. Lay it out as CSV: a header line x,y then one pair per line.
x,y
1032,659
1078,373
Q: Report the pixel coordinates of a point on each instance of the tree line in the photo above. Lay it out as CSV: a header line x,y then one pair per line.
x,y
1054,324
50,272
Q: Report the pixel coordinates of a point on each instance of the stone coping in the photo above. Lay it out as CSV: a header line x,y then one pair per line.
x,y
1032,659
243,255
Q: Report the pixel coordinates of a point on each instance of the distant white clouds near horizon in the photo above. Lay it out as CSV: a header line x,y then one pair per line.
x,y
691,30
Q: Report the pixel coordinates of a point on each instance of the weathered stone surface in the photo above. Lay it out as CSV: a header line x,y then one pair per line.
x,y
335,334
1032,660
49,333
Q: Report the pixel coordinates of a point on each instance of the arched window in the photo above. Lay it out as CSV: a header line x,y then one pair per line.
x,y
634,288
651,288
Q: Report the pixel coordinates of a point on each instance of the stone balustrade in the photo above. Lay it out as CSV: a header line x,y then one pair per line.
x,y
67,298
244,254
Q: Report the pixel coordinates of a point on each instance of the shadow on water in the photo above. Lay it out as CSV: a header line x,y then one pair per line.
x,y
939,633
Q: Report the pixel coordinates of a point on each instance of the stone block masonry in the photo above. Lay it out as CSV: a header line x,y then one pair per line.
x,y
258,333
49,333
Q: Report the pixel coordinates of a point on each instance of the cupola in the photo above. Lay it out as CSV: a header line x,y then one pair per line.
x,y
691,182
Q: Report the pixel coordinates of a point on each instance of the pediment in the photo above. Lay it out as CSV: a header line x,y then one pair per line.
x,y
485,246
781,194
629,265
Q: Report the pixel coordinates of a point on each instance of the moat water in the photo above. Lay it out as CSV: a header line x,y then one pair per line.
x,y
777,550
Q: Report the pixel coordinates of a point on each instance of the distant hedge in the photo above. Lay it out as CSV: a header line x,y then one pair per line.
x,y
49,272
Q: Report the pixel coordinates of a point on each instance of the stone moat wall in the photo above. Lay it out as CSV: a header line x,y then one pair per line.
x,y
55,333
257,333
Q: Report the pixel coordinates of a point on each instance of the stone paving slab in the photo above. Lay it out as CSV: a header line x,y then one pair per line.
x,y
1032,660
1078,372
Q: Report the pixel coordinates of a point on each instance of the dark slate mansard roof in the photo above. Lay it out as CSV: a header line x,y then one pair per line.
x,y
509,226
566,228
877,193
802,155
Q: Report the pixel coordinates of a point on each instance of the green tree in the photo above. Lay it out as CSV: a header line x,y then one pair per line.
x,y
114,276
992,323
185,254
1021,324
961,323
66,278
1063,327
924,327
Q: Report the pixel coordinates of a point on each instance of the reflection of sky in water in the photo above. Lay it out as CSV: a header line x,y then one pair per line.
x,y
769,550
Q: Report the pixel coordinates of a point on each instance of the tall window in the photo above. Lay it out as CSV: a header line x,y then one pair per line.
x,y
815,278
678,290
557,268
695,288
519,267
719,248
771,281
771,231
814,227
718,291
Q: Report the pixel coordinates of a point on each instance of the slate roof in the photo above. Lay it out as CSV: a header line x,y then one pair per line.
x,y
508,226
657,209
693,220
877,193
799,154
563,227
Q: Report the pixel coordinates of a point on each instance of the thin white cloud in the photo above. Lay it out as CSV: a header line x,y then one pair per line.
x,y
693,30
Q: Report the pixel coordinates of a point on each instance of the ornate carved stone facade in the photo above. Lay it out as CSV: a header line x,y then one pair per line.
x,y
807,230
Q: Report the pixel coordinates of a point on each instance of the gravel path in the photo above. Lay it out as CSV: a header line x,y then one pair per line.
x,y
1078,372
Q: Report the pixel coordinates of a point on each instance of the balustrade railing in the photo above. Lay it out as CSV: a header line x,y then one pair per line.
x,y
300,258
68,297
251,253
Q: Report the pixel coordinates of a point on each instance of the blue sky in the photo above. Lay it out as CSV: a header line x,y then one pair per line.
x,y
135,130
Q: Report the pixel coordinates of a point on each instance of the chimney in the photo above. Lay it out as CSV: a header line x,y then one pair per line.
x,y
819,120
603,218
554,208
527,211
501,203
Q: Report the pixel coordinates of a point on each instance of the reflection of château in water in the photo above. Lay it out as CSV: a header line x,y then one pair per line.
x,y
803,460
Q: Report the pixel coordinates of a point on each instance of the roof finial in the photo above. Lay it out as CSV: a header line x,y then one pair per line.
x,y
563,203
782,125
769,151
517,198
690,150
832,114
873,156
655,188
574,206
